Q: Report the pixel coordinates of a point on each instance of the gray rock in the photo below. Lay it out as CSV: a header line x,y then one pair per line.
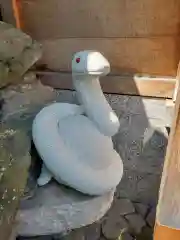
x,y
57,209
151,217
136,222
93,232
141,209
121,207
148,189
12,42
112,228
18,53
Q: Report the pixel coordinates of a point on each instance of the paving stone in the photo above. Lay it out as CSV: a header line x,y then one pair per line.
x,y
93,232
13,42
112,228
136,222
148,189
127,188
151,217
126,236
121,207
141,209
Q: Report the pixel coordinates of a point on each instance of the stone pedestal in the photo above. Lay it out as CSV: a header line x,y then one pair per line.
x,y
56,210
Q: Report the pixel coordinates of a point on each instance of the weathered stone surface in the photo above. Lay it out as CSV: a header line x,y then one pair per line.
x,y
141,208
92,232
121,207
112,228
18,53
136,222
127,188
29,78
13,41
151,217
19,104
15,161
56,209
148,189
26,59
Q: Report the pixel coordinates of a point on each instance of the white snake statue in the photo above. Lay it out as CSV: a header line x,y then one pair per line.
x,y
74,141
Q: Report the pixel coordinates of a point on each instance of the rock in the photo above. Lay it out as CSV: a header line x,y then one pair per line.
x,y
93,232
112,228
151,217
56,209
126,236
4,73
29,77
25,61
148,189
121,207
12,43
18,53
141,209
136,222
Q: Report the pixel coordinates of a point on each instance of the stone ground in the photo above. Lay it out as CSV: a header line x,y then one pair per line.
x,y
141,142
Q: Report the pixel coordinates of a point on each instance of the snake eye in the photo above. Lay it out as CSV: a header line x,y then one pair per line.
x,y
78,60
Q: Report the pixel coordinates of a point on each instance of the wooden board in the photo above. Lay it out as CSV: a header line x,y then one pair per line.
x,y
117,84
157,56
168,211
100,18
165,233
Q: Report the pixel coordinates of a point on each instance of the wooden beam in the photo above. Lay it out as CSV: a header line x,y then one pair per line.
x,y
168,210
130,85
165,233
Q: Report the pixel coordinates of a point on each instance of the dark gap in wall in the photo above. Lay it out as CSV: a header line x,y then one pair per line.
x,y
1,16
